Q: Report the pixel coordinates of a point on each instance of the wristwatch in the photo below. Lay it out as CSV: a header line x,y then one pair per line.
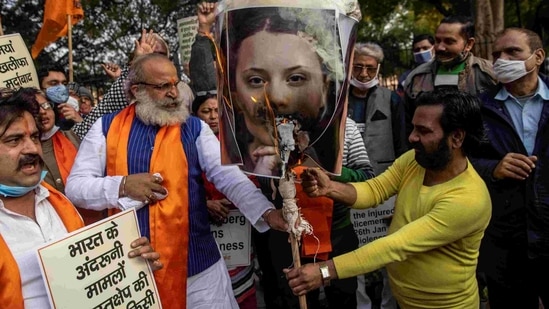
x,y
325,273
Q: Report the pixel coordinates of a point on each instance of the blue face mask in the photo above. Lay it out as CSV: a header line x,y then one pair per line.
x,y
423,56
9,191
58,94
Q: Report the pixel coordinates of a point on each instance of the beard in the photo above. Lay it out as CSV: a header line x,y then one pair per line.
x,y
164,112
436,160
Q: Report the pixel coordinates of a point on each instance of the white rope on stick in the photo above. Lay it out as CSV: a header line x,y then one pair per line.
x,y
297,224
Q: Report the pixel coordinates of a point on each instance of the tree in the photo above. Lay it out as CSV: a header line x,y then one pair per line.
x,y
488,22
394,23
110,27
530,14
107,33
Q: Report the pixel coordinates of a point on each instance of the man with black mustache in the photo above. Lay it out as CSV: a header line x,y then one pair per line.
x,y
441,212
32,212
454,67
59,146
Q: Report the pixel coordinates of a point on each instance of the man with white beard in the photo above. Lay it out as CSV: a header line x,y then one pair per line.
x,y
151,155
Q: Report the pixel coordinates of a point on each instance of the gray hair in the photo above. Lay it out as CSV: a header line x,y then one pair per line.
x,y
138,74
369,49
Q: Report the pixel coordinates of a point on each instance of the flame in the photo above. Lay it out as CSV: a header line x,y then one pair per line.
x,y
271,116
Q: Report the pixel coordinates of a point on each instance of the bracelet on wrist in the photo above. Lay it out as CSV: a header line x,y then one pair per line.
x,y
124,186
266,214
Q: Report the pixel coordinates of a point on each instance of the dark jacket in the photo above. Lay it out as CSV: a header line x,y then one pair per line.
x,y
476,78
383,131
520,209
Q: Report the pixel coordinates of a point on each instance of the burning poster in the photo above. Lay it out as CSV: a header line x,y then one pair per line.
x,y
283,84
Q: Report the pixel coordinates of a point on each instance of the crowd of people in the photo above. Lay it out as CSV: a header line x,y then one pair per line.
x,y
460,148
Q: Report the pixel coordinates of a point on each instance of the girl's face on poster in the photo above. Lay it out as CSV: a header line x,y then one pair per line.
x,y
287,69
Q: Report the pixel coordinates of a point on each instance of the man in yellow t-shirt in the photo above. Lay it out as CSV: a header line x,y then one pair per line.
x,y
441,212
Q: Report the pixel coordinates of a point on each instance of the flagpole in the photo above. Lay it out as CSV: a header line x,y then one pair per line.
x,y
69,30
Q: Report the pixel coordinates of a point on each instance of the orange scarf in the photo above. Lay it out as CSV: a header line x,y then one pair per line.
x,y
65,152
318,211
168,218
11,295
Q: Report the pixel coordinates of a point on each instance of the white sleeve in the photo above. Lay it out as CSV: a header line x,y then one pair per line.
x,y
230,180
87,186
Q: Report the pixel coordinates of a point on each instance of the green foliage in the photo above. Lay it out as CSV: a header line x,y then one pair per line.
x,y
530,14
107,33
110,27
393,24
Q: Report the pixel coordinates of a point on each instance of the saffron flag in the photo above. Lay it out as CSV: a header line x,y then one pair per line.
x,y
56,22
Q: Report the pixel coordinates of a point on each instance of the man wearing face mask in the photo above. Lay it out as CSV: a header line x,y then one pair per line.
x,y
379,115
53,76
378,111
454,67
423,51
514,164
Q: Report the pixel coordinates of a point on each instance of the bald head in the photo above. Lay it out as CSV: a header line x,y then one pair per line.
x,y
150,69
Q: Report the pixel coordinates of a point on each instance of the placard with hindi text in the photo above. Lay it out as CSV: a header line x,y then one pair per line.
x,y
16,65
90,267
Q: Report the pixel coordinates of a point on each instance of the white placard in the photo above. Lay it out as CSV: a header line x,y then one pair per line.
x,y
233,238
90,268
371,224
16,65
186,31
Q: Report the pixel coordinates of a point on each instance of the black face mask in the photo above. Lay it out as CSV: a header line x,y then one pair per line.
x,y
436,160
457,60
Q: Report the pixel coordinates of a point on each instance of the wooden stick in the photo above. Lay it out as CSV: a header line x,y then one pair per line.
x,y
297,263
69,30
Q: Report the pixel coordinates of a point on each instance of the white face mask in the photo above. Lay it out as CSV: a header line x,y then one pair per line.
x,y
510,70
364,86
367,85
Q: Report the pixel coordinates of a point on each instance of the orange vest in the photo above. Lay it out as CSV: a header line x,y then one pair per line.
x,y
65,152
318,211
11,295
168,218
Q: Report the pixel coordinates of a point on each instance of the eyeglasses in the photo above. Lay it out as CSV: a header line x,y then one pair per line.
x,y
46,105
164,87
357,68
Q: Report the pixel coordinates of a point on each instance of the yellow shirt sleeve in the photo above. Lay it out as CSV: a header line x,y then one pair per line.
x,y
377,190
450,217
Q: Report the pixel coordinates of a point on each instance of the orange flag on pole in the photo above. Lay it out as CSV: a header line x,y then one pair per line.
x,y
55,22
